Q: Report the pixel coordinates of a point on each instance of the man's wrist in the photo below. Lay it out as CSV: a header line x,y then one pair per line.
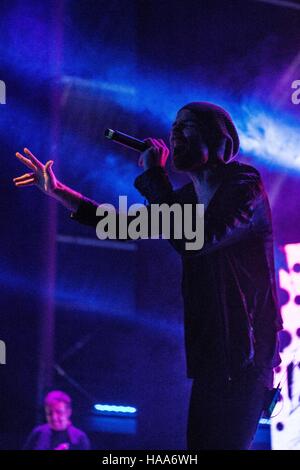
x,y
57,190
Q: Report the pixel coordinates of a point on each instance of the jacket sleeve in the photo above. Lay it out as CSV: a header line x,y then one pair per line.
x,y
239,213
84,442
154,184
86,212
31,440
86,215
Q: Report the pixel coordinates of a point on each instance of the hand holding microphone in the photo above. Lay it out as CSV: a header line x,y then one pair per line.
x,y
156,155
154,152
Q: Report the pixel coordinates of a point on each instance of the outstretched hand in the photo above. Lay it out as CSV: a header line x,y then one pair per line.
x,y
41,175
156,155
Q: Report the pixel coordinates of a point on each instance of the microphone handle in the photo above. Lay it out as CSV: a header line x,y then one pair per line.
x,y
126,140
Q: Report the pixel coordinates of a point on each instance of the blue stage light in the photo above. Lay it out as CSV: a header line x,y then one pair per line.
x,y
115,409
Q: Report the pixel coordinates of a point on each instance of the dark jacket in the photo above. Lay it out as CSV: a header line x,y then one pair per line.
x,y
230,303
43,438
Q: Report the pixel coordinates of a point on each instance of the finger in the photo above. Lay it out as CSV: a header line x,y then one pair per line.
x,y
37,163
48,168
26,161
160,145
164,150
21,178
165,156
156,144
28,182
164,147
162,142
151,142
49,164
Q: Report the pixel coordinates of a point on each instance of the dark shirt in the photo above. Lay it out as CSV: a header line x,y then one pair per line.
x,y
59,437
44,438
228,287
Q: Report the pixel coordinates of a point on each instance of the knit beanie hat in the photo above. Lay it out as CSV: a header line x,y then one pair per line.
x,y
219,132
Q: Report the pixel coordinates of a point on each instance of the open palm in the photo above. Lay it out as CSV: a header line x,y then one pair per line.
x,y
41,175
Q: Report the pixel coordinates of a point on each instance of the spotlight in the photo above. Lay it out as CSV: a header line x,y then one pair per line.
x,y
115,410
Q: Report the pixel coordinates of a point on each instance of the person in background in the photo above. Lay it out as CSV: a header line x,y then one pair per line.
x,y
58,433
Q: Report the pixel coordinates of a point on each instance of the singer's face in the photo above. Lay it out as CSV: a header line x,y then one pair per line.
x,y
188,148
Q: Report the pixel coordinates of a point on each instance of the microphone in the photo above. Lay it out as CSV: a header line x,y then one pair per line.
x,y
126,140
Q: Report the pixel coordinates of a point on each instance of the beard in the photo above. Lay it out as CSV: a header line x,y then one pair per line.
x,y
185,160
181,159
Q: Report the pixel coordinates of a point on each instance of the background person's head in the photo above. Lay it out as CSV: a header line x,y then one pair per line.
x,y
58,409
202,135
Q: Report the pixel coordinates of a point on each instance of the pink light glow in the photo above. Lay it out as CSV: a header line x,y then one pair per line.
x,y
285,424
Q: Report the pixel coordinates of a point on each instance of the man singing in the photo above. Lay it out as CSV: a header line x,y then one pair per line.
x,y
231,316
